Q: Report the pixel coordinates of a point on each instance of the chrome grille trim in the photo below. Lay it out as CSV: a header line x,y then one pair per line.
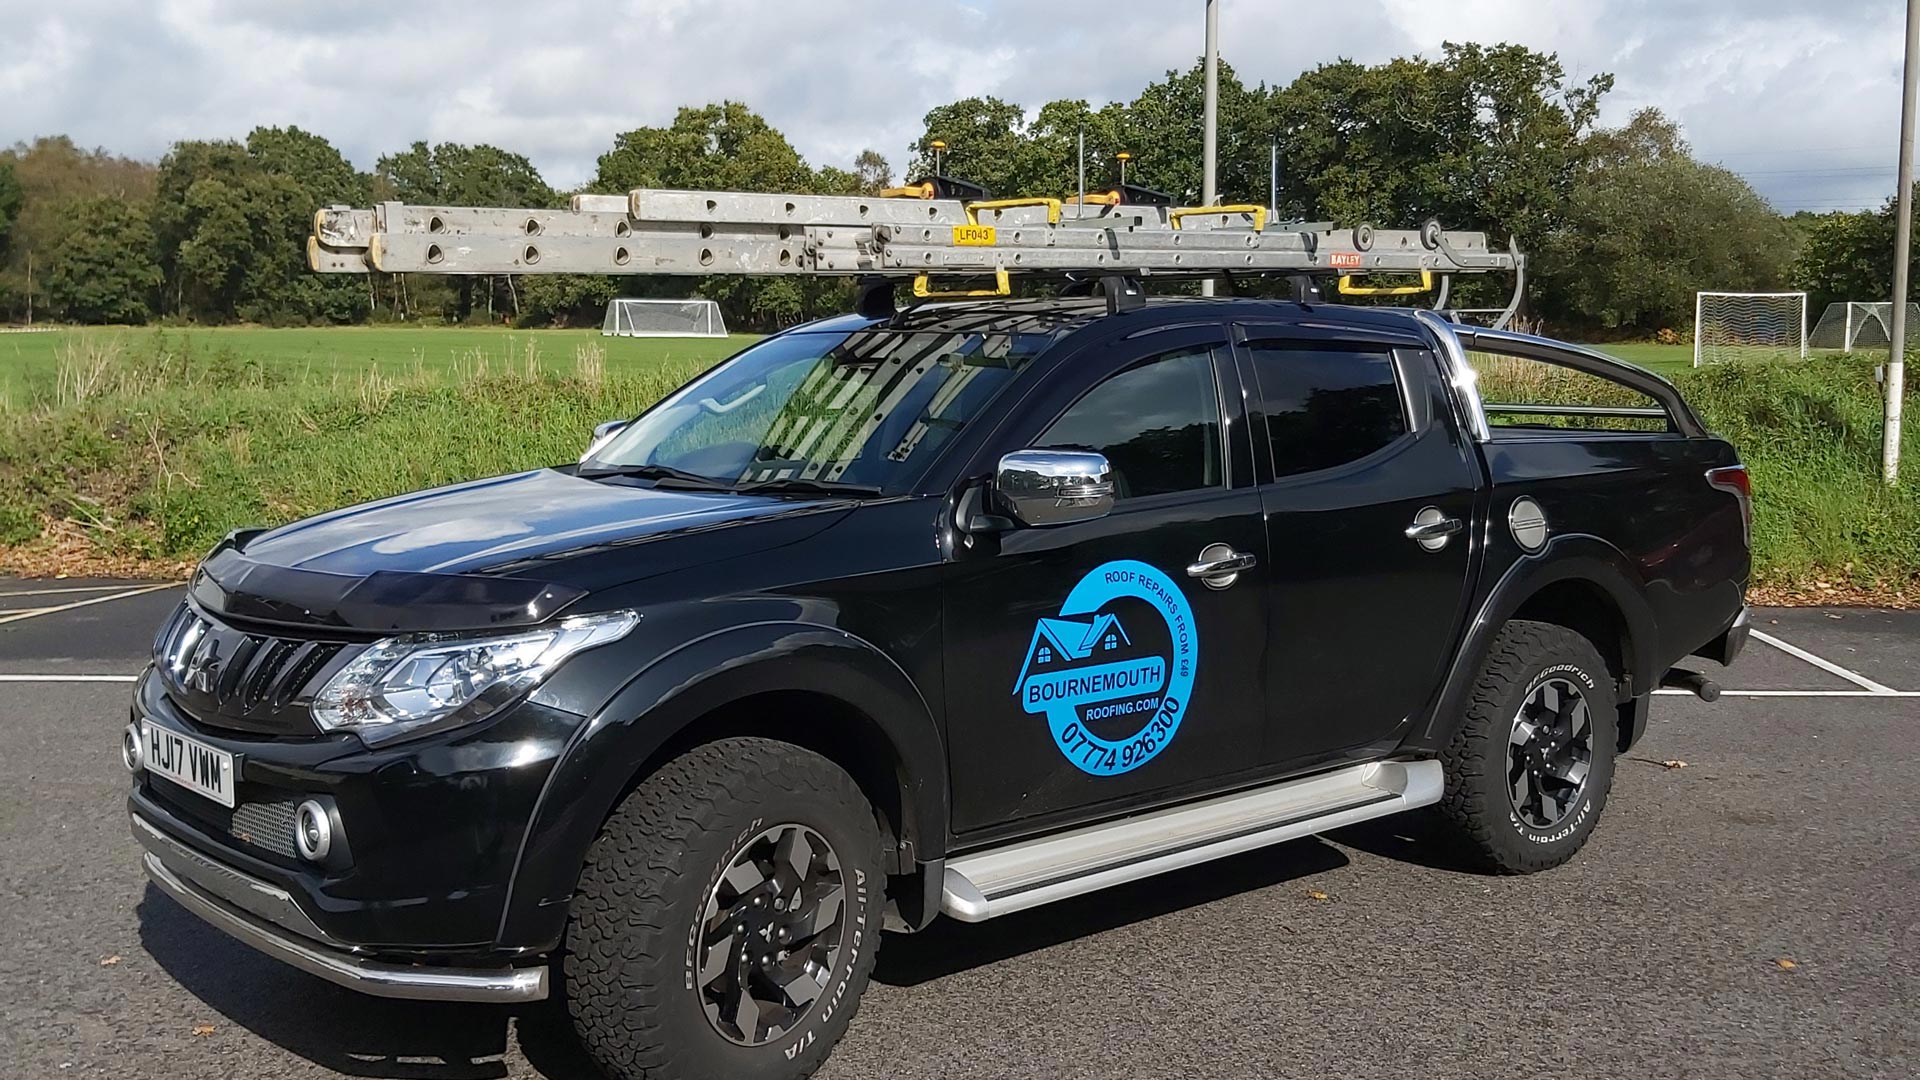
x,y
216,670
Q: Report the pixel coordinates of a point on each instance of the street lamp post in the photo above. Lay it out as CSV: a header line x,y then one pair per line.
x,y
1902,252
1209,193
1273,178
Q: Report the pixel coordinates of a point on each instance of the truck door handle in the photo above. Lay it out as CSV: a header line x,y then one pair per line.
x,y
1220,566
1432,528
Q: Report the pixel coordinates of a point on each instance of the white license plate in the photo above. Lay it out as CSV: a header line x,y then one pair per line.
x,y
188,762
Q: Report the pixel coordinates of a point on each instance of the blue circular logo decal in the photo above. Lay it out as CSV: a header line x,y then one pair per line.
x,y
1113,700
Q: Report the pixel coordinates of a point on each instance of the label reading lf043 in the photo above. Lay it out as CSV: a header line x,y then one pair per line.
x,y
973,236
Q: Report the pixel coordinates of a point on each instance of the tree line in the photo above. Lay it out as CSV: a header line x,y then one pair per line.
x,y
1621,225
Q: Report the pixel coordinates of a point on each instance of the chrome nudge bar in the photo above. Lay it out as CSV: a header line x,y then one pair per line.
x,y
265,917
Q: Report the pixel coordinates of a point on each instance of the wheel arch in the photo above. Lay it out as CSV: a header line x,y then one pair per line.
x,y
816,687
1577,581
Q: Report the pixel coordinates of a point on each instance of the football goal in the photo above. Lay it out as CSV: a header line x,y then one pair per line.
x,y
1741,326
663,318
1847,326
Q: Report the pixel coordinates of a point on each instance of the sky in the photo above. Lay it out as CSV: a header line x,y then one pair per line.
x,y
1801,98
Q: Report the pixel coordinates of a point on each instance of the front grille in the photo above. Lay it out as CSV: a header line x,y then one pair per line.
x,y
262,826
254,682
267,825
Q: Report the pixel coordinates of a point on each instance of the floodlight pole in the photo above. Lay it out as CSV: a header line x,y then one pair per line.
x,y
1273,178
1902,252
1211,139
1080,171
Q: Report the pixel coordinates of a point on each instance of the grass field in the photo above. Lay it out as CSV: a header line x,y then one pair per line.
x,y
133,450
29,362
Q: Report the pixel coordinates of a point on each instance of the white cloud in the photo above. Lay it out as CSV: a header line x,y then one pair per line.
x,y
1805,101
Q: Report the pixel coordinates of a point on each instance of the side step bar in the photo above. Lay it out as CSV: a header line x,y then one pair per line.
x,y
1029,873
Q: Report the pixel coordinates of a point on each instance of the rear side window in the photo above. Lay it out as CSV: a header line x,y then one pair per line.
x,y
1326,406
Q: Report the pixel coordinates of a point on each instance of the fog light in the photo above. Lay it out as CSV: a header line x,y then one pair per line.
x,y
312,831
130,754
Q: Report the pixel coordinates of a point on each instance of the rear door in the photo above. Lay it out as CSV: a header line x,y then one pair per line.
x,y
1088,669
1356,446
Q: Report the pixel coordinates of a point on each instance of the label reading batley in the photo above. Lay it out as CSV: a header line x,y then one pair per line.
x,y
1113,701
973,236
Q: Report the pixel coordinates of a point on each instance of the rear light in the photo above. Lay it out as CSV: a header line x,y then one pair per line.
x,y
1734,479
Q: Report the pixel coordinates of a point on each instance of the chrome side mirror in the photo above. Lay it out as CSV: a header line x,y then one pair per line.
x,y
1054,487
601,433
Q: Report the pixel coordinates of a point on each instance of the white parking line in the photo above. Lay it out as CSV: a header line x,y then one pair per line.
x,y
67,589
68,678
1826,665
1803,693
16,616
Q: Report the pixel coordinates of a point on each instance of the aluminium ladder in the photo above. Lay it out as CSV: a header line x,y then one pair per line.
x,y
703,233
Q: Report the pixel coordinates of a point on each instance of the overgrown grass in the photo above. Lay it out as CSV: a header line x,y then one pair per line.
x,y
153,448
1810,435
158,455
29,363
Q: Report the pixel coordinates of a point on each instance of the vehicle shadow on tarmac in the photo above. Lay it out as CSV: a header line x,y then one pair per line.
x,y
949,947
366,1036
339,1029
1407,838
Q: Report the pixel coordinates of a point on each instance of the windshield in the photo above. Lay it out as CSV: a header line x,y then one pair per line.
x,y
870,408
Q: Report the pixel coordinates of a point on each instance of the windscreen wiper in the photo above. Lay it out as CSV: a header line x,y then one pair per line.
x,y
662,476
805,486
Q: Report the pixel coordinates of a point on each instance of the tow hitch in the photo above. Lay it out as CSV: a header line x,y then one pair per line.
x,y
1693,682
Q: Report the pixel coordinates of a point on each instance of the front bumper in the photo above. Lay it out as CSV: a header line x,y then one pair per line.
x,y
266,917
427,835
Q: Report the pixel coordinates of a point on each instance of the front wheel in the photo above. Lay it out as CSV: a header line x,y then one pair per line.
x,y
1529,769
727,917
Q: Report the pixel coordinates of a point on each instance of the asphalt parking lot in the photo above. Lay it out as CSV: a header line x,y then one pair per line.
x,y
1751,913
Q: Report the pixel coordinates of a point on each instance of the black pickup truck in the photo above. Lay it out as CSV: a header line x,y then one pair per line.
x,y
961,610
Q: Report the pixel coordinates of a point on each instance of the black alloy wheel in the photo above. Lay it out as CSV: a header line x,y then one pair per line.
x,y
1549,753
770,934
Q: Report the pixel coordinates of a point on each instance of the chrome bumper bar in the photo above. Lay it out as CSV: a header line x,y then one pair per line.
x,y
265,917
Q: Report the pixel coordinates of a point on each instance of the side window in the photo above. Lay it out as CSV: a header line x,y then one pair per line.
x,y
1158,423
1520,391
1326,406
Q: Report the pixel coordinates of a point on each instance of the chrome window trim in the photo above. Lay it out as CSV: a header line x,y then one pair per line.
x,y
1460,375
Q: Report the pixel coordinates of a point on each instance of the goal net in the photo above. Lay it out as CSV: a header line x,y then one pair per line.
x,y
1732,327
1847,326
663,318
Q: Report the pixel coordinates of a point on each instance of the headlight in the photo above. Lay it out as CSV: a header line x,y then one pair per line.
x,y
403,685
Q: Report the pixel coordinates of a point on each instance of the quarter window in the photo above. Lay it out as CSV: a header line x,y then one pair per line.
x,y
1158,423
1326,406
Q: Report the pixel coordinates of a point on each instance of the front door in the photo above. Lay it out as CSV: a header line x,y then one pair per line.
x,y
1365,614
1086,666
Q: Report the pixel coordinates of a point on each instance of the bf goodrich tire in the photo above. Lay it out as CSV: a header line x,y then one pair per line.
x,y
727,917
1528,770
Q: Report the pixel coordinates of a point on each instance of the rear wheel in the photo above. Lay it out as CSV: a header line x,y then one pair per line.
x,y
727,918
1530,767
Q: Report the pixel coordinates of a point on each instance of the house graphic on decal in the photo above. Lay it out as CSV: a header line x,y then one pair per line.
x,y
1062,643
